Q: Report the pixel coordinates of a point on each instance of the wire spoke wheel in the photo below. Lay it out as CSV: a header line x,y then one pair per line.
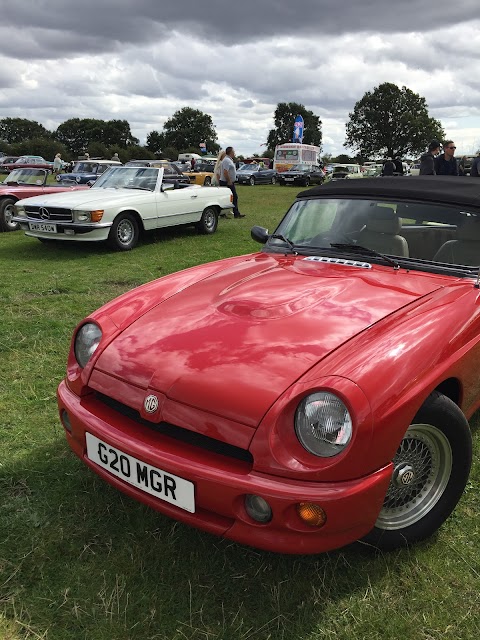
x,y
422,469
430,472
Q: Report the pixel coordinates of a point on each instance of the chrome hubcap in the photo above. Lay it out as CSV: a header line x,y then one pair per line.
x,y
125,232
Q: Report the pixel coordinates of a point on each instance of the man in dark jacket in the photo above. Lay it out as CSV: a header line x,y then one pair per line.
x,y
427,165
388,167
446,163
398,166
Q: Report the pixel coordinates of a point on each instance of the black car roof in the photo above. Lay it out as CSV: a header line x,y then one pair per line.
x,y
459,191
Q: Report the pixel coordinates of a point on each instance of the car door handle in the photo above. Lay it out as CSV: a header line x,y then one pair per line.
x,y
195,195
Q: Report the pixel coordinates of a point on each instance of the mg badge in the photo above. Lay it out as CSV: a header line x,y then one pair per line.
x,y
151,404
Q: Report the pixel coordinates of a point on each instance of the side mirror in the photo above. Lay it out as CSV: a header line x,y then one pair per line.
x,y
167,186
259,234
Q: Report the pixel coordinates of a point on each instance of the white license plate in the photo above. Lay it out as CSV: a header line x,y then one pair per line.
x,y
158,483
43,226
289,179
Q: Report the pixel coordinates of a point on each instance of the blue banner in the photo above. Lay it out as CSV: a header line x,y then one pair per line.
x,y
298,130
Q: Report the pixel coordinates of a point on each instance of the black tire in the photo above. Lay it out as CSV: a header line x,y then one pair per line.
x,y
57,178
251,181
207,182
124,232
208,223
7,212
431,469
46,241
273,180
306,182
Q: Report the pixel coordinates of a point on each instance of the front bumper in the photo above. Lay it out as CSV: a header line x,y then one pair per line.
x,y
221,485
66,230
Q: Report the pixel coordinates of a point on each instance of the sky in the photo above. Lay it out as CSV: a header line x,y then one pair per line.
x,y
142,60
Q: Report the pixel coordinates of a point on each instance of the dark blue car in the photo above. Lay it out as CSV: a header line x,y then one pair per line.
x,y
85,170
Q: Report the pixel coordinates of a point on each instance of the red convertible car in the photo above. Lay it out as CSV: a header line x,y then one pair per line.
x,y
23,183
303,397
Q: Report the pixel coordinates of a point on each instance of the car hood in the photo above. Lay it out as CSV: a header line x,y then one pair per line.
x,y
235,341
88,197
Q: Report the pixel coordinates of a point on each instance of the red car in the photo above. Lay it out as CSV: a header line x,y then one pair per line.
x,y
306,396
25,162
23,183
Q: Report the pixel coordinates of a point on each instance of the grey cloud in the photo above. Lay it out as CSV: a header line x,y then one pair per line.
x,y
107,25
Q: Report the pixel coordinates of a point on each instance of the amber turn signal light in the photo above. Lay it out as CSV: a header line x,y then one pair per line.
x,y
311,514
97,215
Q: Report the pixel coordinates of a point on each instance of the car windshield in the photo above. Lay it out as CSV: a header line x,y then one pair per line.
x,y
27,176
249,167
300,167
138,163
85,167
142,178
424,236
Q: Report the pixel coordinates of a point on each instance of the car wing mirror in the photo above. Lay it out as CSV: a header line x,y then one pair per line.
x,y
259,234
167,186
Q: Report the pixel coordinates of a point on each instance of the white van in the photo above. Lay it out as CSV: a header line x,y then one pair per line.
x,y
187,157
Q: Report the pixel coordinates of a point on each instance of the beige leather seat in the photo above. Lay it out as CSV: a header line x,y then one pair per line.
x,y
465,249
381,232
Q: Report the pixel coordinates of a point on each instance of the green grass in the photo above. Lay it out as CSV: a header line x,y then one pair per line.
x,y
78,560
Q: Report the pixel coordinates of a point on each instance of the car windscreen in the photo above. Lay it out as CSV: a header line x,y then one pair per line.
x,y
84,167
417,231
128,178
27,176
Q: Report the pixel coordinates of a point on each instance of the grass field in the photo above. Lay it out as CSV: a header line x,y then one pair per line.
x,y
80,561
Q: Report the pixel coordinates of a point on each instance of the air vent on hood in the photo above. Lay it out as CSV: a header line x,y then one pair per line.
x,y
344,261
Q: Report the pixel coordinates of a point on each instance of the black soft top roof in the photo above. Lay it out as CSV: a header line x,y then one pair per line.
x,y
458,191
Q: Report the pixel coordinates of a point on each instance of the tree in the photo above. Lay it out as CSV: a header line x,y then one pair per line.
x,y
188,128
284,117
390,121
45,147
14,130
77,134
155,142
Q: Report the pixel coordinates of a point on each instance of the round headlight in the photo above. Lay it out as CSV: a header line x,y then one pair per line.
x,y
323,424
86,341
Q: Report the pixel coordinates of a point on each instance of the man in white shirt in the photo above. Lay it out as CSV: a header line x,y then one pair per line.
x,y
228,175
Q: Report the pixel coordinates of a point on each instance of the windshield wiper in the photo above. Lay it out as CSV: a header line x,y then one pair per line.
x,y
278,236
364,251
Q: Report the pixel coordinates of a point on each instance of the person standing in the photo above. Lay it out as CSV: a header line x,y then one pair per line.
x,y
398,166
427,161
217,171
446,163
388,167
115,157
475,168
228,177
57,163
